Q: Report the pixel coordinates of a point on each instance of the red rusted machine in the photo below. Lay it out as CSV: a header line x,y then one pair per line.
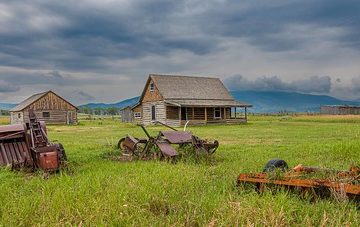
x,y
27,146
312,179
161,145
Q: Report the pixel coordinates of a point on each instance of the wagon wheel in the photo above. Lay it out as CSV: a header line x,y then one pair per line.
x,y
123,148
120,144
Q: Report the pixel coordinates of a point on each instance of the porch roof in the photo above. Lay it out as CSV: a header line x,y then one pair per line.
x,y
206,103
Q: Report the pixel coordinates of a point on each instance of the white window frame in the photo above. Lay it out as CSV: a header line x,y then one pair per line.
x,y
219,110
137,115
152,86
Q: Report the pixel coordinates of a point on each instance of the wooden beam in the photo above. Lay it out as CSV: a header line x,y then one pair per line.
x,y
193,114
205,114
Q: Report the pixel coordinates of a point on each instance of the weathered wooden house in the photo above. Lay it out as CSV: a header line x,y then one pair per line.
x,y
340,110
48,107
174,100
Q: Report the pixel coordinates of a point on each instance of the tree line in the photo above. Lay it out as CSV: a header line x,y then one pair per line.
x,y
99,111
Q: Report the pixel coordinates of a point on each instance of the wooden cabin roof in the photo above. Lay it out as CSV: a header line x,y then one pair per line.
x,y
27,102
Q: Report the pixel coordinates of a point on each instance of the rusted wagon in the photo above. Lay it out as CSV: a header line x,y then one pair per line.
x,y
27,146
161,145
307,179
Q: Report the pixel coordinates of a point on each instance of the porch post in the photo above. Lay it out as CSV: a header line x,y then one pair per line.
x,y
245,113
205,115
180,115
193,114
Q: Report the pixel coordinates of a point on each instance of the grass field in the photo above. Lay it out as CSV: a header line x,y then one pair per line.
x,y
97,191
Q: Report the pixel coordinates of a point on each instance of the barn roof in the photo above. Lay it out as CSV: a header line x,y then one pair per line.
x,y
193,91
27,102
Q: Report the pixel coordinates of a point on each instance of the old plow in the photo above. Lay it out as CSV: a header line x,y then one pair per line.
x,y
313,180
162,145
27,146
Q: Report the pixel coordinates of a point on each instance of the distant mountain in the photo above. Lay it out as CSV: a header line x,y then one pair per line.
x,y
6,106
275,101
262,101
122,104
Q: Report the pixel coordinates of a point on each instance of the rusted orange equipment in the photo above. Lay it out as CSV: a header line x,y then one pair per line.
x,y
308,179
27,146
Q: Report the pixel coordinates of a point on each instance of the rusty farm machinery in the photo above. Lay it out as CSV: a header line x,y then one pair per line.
x,y
27,146
161,147
318,181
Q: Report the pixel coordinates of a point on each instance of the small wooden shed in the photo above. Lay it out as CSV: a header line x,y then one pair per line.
x,y
48,107
126,114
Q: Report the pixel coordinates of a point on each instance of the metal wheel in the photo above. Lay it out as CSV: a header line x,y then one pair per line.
x,y
120,144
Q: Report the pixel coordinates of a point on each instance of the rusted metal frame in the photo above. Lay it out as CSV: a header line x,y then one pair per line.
x,y
303,183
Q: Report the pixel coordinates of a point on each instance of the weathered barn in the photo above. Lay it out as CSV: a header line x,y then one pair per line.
x,y
174,100
48,107
340,110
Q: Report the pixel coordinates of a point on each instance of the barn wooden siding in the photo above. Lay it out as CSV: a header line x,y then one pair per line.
x,y
340,110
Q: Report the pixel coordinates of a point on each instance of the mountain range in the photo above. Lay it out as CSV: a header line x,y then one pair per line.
x,y
262,101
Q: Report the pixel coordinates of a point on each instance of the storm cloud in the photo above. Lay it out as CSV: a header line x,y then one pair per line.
x,y
107,48
313,84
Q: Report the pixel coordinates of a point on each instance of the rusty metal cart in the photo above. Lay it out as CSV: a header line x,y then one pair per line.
x,y
28,146
161,145
311,179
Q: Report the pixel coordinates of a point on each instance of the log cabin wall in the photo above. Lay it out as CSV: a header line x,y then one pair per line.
x,y
160,112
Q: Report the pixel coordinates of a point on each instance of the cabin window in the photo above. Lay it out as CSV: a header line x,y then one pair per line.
x,y
46,114
137,115
19,115
152,86
217,113
153,113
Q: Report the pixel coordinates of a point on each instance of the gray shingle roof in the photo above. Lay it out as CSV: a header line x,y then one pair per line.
x,y
190,87
28,101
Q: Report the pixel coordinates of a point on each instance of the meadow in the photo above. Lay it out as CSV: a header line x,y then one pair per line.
x,y
95,190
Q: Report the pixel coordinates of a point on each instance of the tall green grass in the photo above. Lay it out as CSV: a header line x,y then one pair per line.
x,y
95,190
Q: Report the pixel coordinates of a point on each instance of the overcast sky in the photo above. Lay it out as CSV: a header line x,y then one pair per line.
x,y
103,51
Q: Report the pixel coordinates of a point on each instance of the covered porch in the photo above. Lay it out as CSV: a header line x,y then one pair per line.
x,y
197,115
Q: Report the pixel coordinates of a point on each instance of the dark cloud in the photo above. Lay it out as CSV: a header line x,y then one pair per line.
x,y
6,87
313,84
82,36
